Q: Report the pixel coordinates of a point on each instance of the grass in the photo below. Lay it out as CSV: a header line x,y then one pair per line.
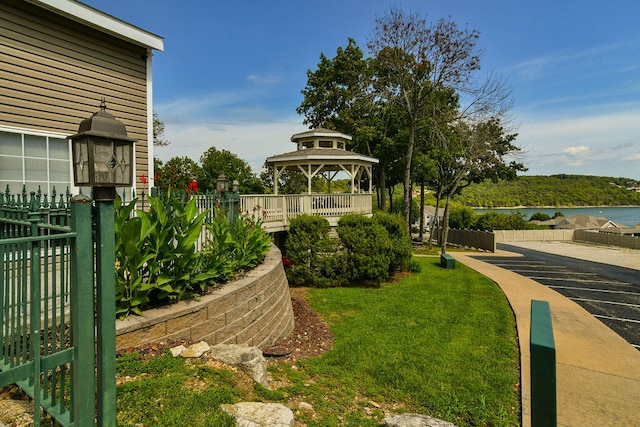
x,y
440,342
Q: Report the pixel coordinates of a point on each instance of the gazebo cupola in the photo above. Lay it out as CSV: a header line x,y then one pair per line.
x,y
321,138
323,151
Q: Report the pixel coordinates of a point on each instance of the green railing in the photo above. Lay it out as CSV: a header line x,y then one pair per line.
x,y
46,302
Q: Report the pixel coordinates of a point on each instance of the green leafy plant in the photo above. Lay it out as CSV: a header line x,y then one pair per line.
x,y
175,269
132,258
157,256
367,248
402,250
310,249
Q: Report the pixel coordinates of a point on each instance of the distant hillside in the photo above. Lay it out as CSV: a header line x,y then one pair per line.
x,y
554,190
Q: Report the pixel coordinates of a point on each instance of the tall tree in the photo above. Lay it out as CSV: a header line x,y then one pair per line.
x,y
414,60
158,132
215,162
338,96
176,174
473,152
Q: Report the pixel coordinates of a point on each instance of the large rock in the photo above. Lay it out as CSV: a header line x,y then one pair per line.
x,y
254,414
194,351
249,359
414,420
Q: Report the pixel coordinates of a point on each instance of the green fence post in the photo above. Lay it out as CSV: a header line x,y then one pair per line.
x,y
82,314
35,309
106,312
543,366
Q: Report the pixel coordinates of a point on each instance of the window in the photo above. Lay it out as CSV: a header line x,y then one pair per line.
x,y
35,161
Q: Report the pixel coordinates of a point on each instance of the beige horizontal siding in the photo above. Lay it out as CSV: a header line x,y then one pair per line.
x,y
54,71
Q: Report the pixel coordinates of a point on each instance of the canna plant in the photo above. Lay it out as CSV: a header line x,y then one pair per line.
x,y
132,260
157,257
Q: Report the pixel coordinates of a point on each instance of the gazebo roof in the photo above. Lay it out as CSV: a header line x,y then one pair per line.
x,y
322,154
323,151
320,132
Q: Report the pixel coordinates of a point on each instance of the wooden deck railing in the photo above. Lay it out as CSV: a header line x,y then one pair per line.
x,y
277,210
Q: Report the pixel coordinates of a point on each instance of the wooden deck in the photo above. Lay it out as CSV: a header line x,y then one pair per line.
x,y
276,211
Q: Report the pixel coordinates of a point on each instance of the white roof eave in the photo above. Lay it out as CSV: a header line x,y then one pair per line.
x,y
104,22
318,157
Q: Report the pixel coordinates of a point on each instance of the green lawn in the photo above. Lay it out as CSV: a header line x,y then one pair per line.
x,y
440,342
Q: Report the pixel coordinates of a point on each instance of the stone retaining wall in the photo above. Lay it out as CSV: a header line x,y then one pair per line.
x,y
255,310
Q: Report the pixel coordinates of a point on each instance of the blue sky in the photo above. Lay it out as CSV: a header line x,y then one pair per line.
x,y
232,71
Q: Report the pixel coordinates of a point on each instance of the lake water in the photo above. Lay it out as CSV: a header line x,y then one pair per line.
x,y
629,216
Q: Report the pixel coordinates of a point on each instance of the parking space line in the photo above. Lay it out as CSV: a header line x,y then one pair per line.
x,y
605,302
593,290
577,280
571,273
616,318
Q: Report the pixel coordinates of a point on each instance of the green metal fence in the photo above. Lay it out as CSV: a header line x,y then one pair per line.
x,y
57,266
47,335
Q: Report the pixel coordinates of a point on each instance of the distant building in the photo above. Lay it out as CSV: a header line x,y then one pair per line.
x,y
588,222
584,222
430,215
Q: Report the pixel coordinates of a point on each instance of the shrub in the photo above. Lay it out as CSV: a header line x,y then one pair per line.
x,y
501,221
367,248
539,216
401,241
308,246
414,266
461,217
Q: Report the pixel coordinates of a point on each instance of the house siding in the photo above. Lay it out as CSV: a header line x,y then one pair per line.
x,y
54,71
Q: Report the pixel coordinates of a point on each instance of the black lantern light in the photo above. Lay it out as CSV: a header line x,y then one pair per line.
x,y
222,184
102,155
235,187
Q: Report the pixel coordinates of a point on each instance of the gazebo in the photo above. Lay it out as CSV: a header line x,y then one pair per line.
x,y
323,151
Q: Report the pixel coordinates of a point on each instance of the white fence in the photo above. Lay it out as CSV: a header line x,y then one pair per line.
x,y
277,210
505,236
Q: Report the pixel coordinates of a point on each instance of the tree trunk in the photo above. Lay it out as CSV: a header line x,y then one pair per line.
x,y
445,226
382,194
435,223
391,199
421,232
407,174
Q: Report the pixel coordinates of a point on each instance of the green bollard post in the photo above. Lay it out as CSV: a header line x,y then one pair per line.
x,y
82,315
543,366
106,311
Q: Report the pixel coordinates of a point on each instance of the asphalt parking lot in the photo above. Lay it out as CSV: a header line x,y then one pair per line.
x,y
609,292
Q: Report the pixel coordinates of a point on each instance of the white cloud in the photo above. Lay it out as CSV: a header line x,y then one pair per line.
x,y
607,144
264,79
577,150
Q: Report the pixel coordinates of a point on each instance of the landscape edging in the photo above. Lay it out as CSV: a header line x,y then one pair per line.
x,y
255,310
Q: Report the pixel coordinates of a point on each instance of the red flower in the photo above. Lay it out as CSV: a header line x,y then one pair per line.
x,y
143,179
193,186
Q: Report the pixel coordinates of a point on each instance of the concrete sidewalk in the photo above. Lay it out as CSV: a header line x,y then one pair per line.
x,y
598,372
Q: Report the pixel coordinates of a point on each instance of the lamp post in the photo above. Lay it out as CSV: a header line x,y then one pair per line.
x,y
228,199
103,160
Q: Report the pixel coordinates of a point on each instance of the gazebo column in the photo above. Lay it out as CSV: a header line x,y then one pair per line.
x,y
275,180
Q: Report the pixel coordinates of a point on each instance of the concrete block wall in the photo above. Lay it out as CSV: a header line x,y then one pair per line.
x,y
254,310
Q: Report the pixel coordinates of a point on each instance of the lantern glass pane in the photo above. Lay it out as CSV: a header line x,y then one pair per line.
x,y
103,161
122,172
81,172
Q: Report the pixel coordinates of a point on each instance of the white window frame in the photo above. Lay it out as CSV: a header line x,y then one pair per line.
x,y
55,135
